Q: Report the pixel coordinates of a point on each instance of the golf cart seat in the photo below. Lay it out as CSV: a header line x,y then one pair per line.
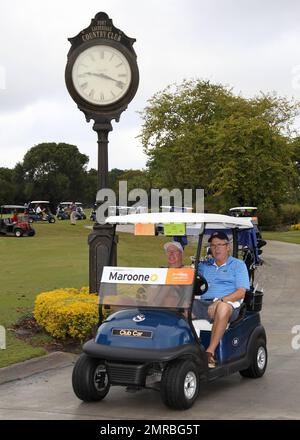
x,y
7,221
204,325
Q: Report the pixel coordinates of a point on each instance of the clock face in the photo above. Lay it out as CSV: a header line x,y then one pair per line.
x,y
101,75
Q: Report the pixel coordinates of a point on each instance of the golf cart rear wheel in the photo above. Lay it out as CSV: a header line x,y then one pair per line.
x,y
51,220
89,379
259,360
180,384
18,232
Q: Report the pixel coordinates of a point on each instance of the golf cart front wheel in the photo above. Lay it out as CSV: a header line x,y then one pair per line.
x,y
259,360
89,379
18,232
180,384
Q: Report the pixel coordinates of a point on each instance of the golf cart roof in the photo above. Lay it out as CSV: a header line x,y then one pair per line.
x,y
178,208
217,221
242,208
69,203
12,207
126,209
40,201
126,206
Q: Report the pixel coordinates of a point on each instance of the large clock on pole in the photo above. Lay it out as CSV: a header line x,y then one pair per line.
x,y
102,77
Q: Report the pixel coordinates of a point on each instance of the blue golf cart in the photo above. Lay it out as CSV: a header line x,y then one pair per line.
x,y
147,337
63,211
39,211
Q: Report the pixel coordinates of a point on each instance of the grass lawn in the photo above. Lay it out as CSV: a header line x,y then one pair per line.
x,y
57,256
288,236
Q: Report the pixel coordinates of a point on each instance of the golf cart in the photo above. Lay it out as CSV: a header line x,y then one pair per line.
x,y
169,208
124,210
39,211
14,221
150,339
119,210
63,211
247,212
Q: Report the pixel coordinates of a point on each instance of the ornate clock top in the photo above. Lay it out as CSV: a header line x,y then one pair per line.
x,y
101,26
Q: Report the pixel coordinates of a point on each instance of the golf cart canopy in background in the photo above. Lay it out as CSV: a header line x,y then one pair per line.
x,y
39,202
243,208
194,221
168,208
244,211
124,210
69,203
9,209
43,204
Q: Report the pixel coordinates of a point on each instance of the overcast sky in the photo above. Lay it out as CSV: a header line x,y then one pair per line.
x,y
251,46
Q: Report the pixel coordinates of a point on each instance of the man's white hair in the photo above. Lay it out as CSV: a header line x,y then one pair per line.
x,y
173,243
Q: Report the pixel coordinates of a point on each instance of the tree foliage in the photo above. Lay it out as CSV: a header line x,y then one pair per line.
x,y
7,186
57,172
201,135
54,172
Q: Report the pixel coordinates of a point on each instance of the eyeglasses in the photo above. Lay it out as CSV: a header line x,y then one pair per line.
x,y
220,245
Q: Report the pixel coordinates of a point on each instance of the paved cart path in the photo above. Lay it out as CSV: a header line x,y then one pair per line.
x,y
48,394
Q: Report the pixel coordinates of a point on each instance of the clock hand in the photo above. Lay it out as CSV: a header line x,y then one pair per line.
x,y
119,84
91,73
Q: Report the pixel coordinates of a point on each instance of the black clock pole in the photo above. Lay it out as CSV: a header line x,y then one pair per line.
x,y
102,106
102,240
102,129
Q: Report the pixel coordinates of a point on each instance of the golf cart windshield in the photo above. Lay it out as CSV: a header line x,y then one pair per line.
x,y
146,287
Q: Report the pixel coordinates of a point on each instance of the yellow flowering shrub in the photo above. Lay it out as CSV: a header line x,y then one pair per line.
x,y
295,227
67,312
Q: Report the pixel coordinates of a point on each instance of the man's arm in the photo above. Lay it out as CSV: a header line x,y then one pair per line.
x,y
237,295
242,283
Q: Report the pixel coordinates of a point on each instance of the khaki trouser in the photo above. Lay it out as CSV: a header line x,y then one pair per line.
x,y
73,217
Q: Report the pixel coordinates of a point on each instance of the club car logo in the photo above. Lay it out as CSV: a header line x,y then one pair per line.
x,y
135,333
235,342
139,318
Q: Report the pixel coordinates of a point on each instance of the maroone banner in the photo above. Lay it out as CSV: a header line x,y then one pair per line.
x,y
140,275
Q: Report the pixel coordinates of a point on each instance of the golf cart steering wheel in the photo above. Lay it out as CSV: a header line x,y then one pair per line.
x,y
201,285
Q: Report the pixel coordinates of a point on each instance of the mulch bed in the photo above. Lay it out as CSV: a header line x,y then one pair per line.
x,y
27,329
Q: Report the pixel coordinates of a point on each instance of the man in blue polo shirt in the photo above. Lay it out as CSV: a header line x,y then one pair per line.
x,y
228,280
